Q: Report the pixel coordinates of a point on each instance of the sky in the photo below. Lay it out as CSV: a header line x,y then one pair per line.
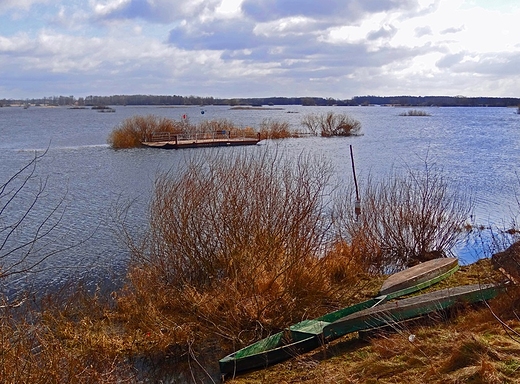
x,y
260,48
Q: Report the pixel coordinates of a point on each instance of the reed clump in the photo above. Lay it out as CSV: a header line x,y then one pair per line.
x,y
414,112
331,124
245,236
134,130
276,129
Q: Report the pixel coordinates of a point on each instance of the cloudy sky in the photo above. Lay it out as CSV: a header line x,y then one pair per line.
x,y
259,48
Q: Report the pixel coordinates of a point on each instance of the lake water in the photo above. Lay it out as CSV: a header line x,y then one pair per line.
x,y
478,148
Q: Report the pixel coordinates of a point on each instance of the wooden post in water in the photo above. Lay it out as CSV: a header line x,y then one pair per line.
x,y
357,204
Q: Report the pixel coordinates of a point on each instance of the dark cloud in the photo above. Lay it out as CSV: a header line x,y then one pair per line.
x,y
346,10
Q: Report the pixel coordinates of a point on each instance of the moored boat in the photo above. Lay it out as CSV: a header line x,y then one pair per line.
x,y
419,273
409,308
308,334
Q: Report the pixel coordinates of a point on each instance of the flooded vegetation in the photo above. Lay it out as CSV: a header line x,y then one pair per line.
x,y
239,246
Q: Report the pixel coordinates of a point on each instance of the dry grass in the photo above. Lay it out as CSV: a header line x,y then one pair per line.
x,y
134,130
275,129
477,344
70,342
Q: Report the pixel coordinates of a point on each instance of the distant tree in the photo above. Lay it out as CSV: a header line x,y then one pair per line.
x,y
308,102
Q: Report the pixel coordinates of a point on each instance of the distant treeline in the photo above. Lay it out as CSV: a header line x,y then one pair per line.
x,y
407,101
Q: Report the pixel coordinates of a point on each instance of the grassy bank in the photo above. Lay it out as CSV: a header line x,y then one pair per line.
x,y
477,344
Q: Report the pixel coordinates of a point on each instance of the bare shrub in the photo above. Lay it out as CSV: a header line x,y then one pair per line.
x,y
240,244
24,243
275,129
406,219
331,124
134,130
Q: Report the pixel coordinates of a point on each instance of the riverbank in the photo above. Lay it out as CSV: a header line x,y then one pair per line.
x,y
479,344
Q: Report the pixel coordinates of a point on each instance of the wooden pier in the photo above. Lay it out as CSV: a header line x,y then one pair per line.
x,y
166,140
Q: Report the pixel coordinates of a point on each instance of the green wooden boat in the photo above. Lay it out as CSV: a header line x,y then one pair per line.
x,y
308,334
409,308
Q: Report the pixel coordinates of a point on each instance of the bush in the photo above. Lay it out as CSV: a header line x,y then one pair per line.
x,y
246,236
331,124
134,130
274,129
414,112
406,219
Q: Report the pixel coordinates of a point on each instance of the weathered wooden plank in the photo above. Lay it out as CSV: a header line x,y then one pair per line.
x,y
417,274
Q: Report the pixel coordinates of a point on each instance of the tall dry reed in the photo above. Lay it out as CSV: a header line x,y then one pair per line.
x,y
131,132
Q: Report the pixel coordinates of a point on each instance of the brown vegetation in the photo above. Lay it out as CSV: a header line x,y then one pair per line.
x,y
406,219
331,124
134,130
243,236
239,247
274,129
414,112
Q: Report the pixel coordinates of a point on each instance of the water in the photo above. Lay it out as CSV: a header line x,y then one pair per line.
x,y
478,148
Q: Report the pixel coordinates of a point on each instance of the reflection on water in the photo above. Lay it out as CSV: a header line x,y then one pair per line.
x,y
478,148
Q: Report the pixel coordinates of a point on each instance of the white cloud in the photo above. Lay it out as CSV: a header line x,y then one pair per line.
x,y
20,4
337,48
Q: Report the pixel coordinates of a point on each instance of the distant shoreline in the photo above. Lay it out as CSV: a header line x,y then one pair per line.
x,y
268,102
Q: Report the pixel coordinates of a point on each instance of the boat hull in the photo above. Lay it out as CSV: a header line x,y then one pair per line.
x,y
417,274
404,309
238,363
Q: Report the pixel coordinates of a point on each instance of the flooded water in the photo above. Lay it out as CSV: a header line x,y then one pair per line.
x,y
478,149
